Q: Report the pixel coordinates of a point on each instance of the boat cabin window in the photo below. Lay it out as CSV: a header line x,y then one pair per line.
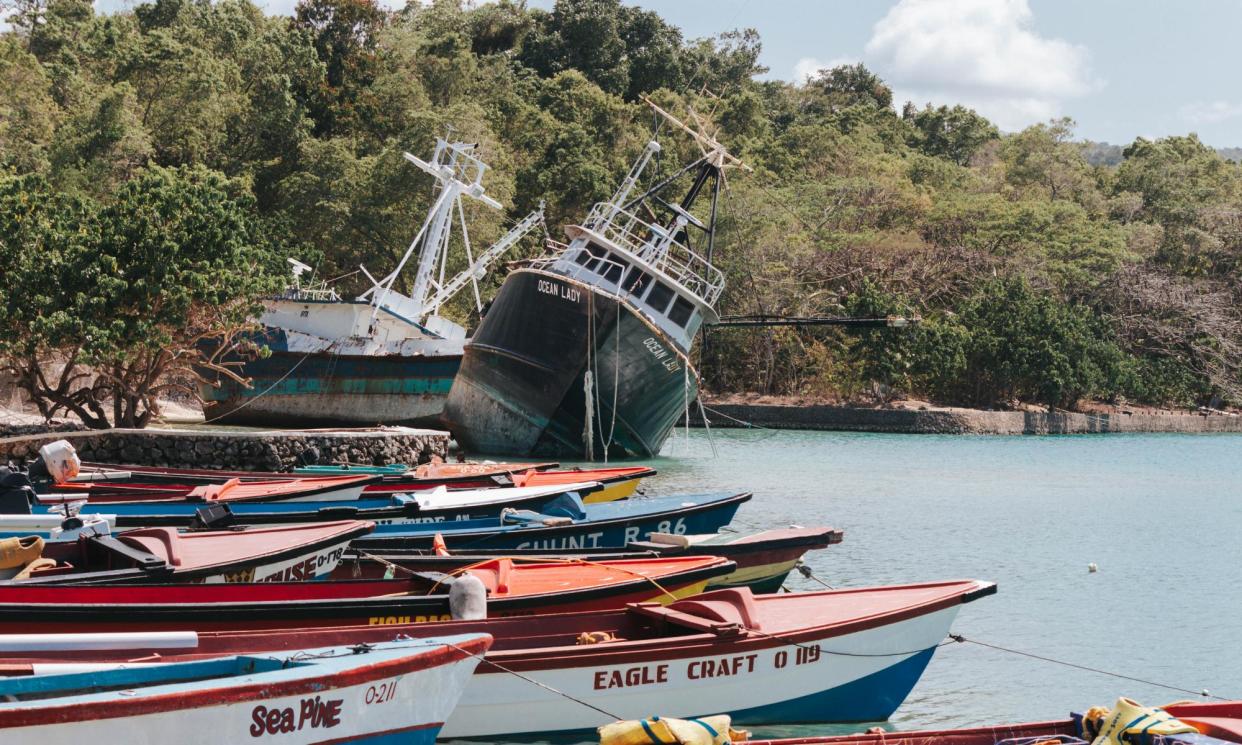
x,y
659,296
591,256
681,312
636,282
614,268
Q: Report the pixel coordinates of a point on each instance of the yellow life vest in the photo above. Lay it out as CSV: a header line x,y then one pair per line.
x,y
1129,718
714,730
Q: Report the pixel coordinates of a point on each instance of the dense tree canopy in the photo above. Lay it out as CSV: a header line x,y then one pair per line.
x,y
170,145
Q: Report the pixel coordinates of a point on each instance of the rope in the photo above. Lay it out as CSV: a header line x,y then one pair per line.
x,y
261,394
707,426
1203,692
805,571
532,681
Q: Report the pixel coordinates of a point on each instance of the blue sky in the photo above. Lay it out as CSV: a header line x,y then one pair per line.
x,y
1120,68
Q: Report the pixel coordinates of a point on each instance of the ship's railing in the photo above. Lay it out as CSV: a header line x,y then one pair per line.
x,y
653,245
314,294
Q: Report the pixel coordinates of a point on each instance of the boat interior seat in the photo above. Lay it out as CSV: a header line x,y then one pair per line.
x,y
734,605
210,492
160,542
495,575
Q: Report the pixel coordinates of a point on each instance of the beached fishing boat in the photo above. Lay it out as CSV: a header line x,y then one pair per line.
x,y
571,527
764,559
436,505
282,553
586,354
287,489
618,482
511,589
1216,723
382,356
388,692
841,655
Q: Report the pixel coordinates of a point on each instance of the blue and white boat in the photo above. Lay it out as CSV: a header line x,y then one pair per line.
x,y
399,691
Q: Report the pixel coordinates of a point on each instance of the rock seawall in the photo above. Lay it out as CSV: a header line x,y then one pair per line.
x,y
960,421
238,450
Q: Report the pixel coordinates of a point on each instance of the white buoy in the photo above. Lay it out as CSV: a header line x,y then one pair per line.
x,y
468,598
1092,568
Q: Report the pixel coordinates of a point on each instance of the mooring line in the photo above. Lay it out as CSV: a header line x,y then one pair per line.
x,y
1203,692
545,686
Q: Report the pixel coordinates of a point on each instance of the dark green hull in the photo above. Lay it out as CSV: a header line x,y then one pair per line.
x,y
521,388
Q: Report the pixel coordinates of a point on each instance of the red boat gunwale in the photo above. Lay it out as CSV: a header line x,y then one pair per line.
x,y
116,709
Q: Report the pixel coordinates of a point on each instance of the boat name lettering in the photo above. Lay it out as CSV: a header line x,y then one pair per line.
x,y
300,571
804,655
676,527
634,676
313,712
662,355
394,620
589,540
725,666
330,558
549,287
383,693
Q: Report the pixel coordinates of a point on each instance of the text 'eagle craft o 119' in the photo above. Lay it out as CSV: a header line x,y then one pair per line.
x,y
383,357
586,354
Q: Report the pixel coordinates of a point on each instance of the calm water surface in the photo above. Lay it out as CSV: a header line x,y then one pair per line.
x,y
1160,514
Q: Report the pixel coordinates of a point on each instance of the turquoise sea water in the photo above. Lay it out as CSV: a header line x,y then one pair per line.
x,y
1161,515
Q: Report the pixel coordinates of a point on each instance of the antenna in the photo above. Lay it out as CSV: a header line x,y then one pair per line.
x,y
458,172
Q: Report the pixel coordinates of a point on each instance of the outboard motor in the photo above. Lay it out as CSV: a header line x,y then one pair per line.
x,y
17,494
308,457
61,460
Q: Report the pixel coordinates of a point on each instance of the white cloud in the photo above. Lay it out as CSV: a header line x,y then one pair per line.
x,y
1209,112
808,66
981,53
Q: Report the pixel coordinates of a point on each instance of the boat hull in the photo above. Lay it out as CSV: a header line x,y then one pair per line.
x,y
521,388
380,696
321,389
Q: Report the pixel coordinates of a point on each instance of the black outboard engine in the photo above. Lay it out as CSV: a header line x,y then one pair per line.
x,y
17,495
308,457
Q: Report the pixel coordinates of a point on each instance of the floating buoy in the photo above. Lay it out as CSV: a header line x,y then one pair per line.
x,y
1092,568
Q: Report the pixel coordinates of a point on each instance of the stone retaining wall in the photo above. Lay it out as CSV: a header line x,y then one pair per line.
x,y
238,450
961,421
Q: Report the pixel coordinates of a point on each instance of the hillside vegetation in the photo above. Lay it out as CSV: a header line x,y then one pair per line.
x,y
1045,269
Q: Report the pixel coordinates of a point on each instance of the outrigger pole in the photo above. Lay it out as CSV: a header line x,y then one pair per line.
x,y
761,320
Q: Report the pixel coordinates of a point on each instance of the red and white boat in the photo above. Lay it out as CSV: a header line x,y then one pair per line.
x,y
392,692
841,655
512,589
281,553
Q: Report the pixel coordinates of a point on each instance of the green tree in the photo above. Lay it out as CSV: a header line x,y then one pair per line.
x,y
126,298
955,133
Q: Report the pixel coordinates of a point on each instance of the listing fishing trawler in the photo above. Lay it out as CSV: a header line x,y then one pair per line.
x,y
586,354
383,357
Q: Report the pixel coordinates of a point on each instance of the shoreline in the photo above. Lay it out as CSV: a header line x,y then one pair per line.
x,y
958,421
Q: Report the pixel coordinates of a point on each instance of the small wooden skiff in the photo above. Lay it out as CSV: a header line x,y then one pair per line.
x,y
512,589
295,489
282,553
434,505
764,559
399,691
